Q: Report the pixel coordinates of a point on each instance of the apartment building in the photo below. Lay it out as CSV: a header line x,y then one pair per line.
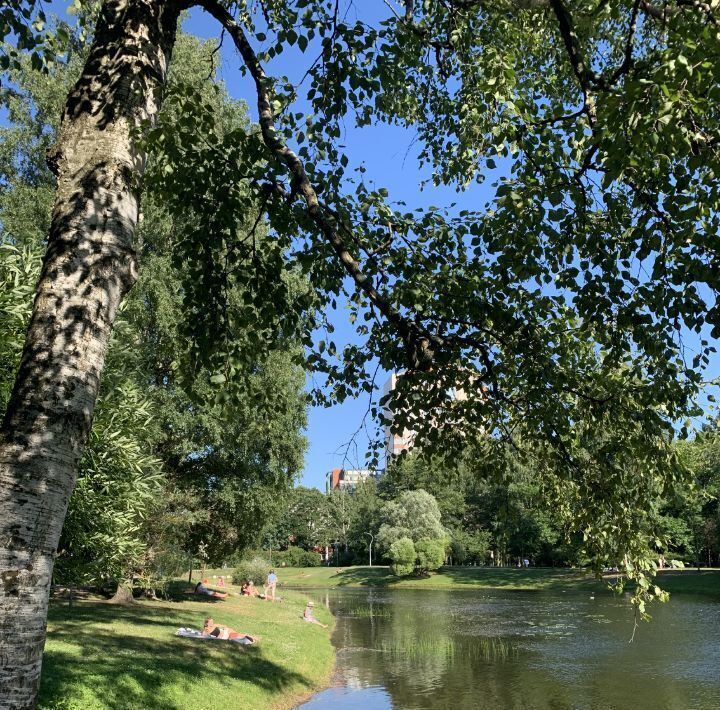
x,y
397,443
345,479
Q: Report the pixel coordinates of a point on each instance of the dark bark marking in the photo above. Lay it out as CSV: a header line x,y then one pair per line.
x,y
10,582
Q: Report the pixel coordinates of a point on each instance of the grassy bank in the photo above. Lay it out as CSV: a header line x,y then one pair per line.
x,y
675,581
690,581
103,656
448,577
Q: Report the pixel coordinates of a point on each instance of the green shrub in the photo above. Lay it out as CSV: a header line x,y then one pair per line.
x,y
286,558
430,554
297,557
402,556
255,569
311,559
294,556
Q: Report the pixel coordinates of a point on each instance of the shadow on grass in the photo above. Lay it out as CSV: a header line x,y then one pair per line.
x,y
178,591
479,577
691,581
364,576
121,657
519,578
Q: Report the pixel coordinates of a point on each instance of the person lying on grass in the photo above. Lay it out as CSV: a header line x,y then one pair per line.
x,y
224,632
308,615
200,588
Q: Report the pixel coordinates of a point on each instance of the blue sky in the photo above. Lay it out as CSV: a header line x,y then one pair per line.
x,y
390,156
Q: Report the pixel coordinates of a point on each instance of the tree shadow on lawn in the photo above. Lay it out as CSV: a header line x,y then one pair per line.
x,y
178,591
75,620
123,669
536,578
479,577
364,576
691,581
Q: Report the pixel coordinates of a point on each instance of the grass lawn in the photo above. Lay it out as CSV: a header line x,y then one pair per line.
x,y
690,581
457,577
675,581
100,655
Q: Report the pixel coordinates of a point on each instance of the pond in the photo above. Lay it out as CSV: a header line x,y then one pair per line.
x,y
502,650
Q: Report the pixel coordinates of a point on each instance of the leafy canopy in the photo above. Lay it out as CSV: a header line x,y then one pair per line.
x,y
168,467
560,308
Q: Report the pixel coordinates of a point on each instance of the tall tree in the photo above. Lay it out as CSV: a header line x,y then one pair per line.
x,y
412,534
197,440
89,267
306,520
461,301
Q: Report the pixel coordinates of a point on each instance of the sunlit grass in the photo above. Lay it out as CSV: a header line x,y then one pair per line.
x,y
100,656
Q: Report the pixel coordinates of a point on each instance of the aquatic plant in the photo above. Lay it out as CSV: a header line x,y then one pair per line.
x,y
371,612
485,648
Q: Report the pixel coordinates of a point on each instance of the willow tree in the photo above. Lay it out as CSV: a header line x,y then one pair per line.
x,y
556,308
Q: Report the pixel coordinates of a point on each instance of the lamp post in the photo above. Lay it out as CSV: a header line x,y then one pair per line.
x,y
371,544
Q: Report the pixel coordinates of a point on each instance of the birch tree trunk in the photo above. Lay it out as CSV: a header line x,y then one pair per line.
x,y
89,267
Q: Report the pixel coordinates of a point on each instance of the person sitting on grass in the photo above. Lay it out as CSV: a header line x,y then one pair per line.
x,y
200,588
225,633
308,615
249,589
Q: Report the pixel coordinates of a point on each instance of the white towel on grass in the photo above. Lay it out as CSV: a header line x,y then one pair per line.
x,y
192,634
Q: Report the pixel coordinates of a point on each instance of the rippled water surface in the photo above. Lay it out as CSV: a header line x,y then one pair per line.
x,y
481,649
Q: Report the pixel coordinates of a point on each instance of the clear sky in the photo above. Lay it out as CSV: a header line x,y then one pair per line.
x,y
389,154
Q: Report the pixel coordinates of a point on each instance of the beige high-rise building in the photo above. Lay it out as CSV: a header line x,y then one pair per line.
x,y
397,443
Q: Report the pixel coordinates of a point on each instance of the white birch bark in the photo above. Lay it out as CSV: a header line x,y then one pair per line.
x,y
89,267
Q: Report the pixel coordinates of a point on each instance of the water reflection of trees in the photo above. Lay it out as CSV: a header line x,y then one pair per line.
x,y
441,649
411,644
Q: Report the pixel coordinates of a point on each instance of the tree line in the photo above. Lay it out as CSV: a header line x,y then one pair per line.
x,y
485,515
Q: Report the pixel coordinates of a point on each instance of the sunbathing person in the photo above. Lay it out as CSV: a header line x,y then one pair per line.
x,y
224,632
200,588
308,616
248,589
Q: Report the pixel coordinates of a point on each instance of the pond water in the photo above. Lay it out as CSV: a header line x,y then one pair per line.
x,y
502,650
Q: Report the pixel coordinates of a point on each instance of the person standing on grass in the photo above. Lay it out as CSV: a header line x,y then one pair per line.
x,y
270,585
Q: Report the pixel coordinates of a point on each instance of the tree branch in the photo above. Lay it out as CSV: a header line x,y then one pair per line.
x,y
422,344
567,31
627,63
